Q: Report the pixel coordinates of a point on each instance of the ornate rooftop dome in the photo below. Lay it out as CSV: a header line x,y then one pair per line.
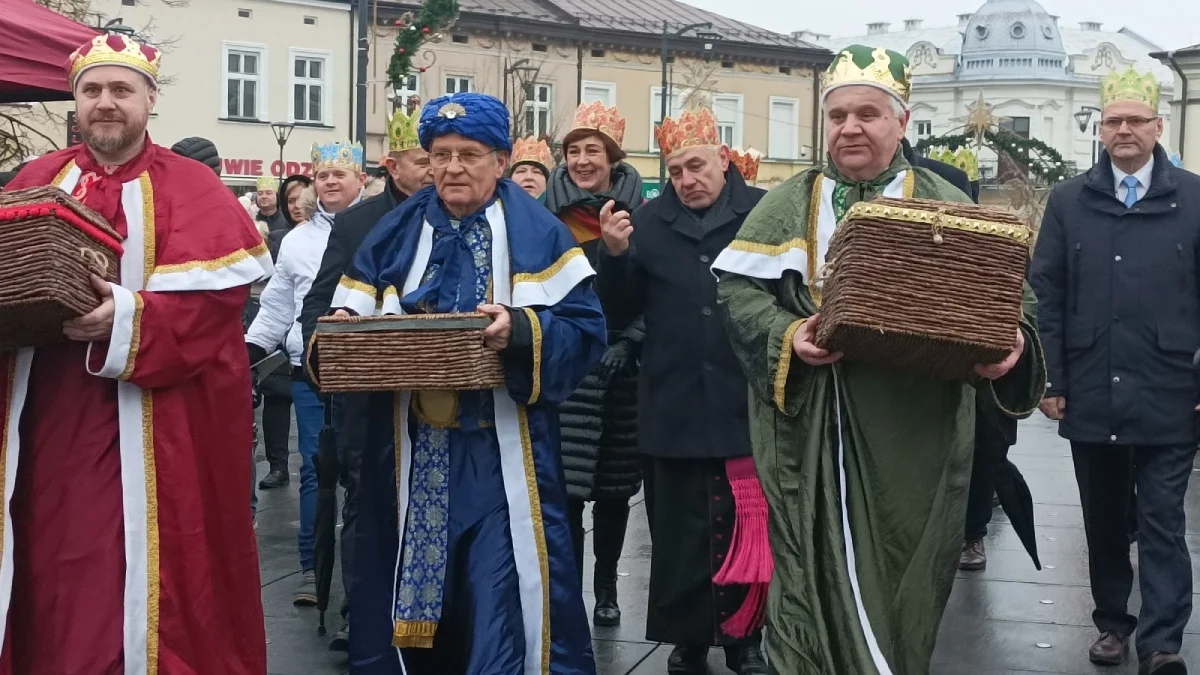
x,y
1012,38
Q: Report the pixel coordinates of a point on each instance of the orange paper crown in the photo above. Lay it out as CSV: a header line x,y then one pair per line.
x,y
532,150
746,162
606,120
693,130
114,49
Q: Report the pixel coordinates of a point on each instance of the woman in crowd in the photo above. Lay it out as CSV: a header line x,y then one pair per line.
x,y
599,422
530,166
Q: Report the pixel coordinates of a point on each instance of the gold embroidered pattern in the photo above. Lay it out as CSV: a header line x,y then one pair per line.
x,y
550,271
910,183
539,532
415,634
785,363
354,285
534,323
149,252
767,249
136,340
939,220
153,592
814,224
213,265
62,175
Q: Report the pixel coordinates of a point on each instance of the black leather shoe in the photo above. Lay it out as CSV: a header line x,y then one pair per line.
x,y
341,640
688,661
1162,663
1109,650
746,660
277,478
607,612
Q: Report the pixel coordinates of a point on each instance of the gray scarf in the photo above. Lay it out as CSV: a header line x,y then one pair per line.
x,y
562,192
710,218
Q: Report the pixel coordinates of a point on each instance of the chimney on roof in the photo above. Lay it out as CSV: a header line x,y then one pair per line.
x,y
964,19
1093,26
1054,18
809,36
877,27
912,24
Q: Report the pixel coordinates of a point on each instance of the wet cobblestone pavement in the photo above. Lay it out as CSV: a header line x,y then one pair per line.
x,y
1008,619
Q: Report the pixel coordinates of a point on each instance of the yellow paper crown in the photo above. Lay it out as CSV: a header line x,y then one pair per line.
x,y
337,155
402,131
597,116
534,150
1130,86
266,183
114,49
747,163
875,67
693,130
966,160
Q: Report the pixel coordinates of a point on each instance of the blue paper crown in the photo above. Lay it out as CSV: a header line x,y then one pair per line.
x,y
337,155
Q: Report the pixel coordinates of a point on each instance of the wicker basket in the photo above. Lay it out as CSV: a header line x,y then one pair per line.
x,y
413,352
924,287
50,245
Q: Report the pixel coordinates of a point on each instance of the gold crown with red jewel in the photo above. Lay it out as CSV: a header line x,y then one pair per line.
x,y
532,150
746,162
114,49
597,116
691,130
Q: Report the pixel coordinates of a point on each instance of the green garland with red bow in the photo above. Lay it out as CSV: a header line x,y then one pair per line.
x,y
431,23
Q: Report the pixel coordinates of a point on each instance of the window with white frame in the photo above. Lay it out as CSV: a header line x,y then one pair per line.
x,y
783,128
727,108
410,87
924,129
310,87
245,81
674,106
538,104
605,92
459,84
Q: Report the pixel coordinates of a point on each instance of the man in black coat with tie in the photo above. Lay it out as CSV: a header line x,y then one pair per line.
x,y
1116,275
408,171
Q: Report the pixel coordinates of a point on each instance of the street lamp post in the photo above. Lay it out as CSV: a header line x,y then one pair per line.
x,y
663,93
282,131
1082,118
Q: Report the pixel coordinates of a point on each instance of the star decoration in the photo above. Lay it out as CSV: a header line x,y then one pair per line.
x,y
980,119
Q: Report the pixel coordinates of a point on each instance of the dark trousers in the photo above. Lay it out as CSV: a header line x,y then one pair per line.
x,y
991,451
609,520
348,411
277,426
1160,473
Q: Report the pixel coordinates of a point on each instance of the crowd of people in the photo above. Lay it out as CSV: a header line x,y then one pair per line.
x,y
807,513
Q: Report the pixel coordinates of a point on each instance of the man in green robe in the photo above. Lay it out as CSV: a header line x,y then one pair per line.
x,y
865,469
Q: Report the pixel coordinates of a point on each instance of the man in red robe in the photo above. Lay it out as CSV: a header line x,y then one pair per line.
x,y
127,545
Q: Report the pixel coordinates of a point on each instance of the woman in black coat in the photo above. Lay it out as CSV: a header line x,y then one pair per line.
x,y
599,422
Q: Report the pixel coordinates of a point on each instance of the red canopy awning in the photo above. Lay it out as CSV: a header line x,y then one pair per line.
x,y
33,54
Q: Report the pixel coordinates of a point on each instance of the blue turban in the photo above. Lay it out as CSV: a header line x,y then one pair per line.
x,y
478,117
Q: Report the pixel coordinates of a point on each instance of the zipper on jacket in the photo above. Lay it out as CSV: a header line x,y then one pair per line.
x,y
1075,274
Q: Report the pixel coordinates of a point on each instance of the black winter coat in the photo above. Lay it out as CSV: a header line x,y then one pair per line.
x,y
1119,305
692,398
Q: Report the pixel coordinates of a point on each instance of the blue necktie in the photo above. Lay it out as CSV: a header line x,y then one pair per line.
x,y
1131,195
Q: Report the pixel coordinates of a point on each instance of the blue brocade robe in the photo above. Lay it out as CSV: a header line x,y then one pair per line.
x,y
511,601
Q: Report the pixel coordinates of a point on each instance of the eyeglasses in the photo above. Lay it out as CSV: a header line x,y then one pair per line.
x,y
442,159
1114,123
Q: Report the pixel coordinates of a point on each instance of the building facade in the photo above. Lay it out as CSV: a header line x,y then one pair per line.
x,y
1043,78
1185,106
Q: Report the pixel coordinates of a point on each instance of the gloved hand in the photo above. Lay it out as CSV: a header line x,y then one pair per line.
x,y
615,358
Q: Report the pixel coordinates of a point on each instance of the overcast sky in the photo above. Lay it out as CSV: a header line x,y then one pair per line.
x,y
1170,23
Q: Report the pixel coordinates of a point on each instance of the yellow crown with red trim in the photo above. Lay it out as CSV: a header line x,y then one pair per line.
x,y
532,150
597,116
746,162
692,130
115,49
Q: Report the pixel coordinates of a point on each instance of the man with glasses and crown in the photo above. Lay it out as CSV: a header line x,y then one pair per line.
x,y
407,164
865,469
125,446
1116,274
464,560
266,197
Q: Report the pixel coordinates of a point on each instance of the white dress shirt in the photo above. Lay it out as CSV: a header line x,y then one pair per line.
x,y
1142,175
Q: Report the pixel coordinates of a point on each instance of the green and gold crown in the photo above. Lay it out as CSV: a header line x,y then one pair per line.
x,y
871,66
1130,86
402,130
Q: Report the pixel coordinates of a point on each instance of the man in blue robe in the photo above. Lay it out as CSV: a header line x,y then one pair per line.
x,y
465,563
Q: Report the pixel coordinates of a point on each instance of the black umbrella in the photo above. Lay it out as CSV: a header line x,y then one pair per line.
x,y
328,470
1017,502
